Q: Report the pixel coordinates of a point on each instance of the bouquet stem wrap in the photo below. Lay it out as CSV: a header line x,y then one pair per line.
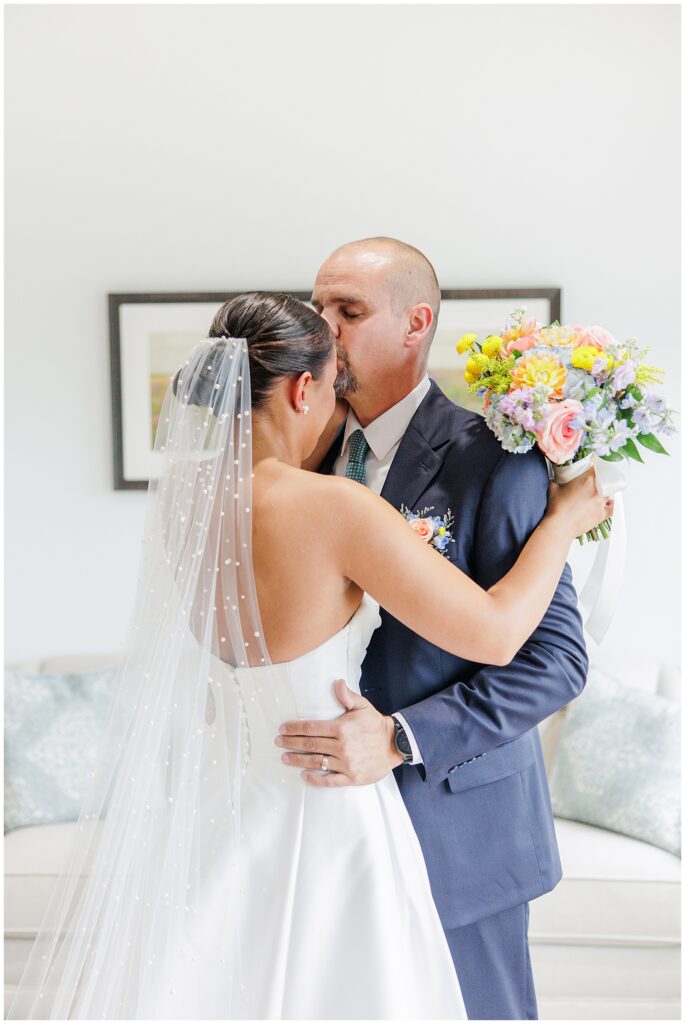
x,y
599,596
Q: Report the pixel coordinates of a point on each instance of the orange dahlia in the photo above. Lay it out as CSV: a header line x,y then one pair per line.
x,y
539,369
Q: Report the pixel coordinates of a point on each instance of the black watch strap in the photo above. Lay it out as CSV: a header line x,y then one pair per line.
x,y
402,741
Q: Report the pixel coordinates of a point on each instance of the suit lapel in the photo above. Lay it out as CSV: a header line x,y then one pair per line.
x,y
417,462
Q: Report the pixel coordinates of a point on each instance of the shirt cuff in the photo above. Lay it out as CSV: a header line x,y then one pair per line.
x,y
415,752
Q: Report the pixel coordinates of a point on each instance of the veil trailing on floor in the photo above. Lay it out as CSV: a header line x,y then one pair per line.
x,y
163,807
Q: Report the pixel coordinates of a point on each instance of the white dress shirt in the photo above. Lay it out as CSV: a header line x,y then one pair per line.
x,y
383,436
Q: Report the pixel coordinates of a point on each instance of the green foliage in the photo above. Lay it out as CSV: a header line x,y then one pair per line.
x,y
630,451
612,457
652,443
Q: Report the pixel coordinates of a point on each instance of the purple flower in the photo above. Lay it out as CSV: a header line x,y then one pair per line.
x,y
655,403
600,370
621,433
624,375
643,419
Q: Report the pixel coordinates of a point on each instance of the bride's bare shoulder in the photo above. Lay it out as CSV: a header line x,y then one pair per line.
x,y
316,495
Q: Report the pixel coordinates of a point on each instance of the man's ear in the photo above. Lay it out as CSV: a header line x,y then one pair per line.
x,y
419,323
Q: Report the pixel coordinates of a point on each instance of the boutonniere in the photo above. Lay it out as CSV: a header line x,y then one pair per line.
x,y
434,530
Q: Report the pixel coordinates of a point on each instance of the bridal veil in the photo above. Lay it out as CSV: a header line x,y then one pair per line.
x,y
176,739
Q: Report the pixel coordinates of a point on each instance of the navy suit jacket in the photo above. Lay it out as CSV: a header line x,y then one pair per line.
x,y
480,801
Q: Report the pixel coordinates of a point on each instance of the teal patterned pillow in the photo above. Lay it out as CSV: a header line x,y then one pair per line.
x,y
53,724
618,762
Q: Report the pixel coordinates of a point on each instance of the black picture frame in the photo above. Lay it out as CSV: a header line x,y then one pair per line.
x,y
118,301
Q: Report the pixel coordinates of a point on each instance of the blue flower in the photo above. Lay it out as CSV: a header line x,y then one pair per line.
x,y
621,433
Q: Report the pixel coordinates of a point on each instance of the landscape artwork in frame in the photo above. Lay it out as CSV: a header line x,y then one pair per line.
x,y
152,334
150,337
482,312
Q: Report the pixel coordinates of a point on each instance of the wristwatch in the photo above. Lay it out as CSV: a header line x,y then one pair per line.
x,y
402,741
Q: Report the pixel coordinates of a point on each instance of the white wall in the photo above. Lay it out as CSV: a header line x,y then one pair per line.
x,y
217,147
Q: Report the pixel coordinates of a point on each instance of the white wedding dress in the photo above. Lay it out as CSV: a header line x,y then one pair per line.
x,y
337,917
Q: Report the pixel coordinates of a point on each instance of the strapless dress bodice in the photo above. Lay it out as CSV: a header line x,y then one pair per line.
x,y
303,687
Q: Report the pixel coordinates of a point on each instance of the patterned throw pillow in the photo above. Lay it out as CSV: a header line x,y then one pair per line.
x,y
618,762
53,724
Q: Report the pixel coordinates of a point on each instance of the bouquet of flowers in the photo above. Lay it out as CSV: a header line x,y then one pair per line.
x,y
575,392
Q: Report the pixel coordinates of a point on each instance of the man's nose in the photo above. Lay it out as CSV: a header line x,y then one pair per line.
x,y
331,321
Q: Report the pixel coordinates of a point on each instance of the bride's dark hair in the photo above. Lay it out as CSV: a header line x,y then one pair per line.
x,y
284,338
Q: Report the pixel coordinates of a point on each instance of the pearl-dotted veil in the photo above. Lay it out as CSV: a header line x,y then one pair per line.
x,y
161,819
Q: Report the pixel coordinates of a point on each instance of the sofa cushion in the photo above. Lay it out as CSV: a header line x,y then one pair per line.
x,y
615,891
53,725
617,764
66,663
34,856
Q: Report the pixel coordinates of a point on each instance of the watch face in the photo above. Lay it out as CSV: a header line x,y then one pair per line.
x,y
401,740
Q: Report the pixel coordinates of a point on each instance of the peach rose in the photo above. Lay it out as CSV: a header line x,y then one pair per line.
x,y
557,439
596,336
521,344
424,528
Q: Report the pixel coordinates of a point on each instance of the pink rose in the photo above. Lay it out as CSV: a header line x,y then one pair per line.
x,y
597,336
424,528
521,344
557,439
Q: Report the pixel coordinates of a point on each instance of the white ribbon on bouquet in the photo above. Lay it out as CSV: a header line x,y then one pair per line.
x,y
599,596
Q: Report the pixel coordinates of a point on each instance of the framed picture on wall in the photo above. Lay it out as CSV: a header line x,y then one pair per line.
x,y
150,336
480,311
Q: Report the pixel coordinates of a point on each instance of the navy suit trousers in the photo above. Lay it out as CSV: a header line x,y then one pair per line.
x,y
492,960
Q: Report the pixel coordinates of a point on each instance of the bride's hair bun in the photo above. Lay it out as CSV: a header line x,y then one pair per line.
x,y
284,338
203,391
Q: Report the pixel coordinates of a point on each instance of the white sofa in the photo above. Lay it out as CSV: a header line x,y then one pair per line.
x,y
605,943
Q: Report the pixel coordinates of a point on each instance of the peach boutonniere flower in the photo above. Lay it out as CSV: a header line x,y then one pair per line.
x,y
433,530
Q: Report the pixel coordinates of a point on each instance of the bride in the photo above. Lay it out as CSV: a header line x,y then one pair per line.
x,y
207,880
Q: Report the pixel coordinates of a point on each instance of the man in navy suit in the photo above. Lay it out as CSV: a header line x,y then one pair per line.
x,y
461,738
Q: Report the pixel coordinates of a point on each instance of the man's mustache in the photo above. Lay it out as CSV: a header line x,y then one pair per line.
x,y
345,383
342,355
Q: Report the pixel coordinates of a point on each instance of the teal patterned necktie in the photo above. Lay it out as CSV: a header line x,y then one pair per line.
x,y
359,448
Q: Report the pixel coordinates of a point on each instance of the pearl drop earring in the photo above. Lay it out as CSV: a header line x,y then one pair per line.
x,y
305,409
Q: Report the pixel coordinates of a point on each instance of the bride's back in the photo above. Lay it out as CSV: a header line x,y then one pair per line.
x,y
291,357
304,598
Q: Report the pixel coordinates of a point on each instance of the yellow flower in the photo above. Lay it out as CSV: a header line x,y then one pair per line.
x,y
474,367
584,356
558,335
492,345
465,343
537,369
441,531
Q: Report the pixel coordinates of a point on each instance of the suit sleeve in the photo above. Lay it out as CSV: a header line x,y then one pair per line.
x,y
499,703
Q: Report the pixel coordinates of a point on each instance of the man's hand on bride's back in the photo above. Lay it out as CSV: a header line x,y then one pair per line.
x,y
359,746
579,503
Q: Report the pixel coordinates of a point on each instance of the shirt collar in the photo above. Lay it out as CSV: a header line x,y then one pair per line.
x,y
385,431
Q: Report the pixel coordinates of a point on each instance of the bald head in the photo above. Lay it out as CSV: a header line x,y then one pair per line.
x,y
409,276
